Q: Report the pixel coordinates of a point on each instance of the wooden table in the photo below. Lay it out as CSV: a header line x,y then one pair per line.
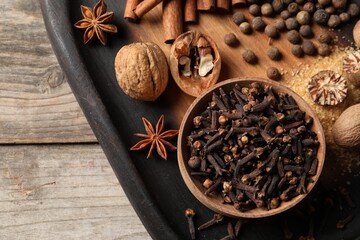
x,y
55,180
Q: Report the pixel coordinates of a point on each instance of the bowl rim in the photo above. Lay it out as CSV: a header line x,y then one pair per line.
x,y
228,209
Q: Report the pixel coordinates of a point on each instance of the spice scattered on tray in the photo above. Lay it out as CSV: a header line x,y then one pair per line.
x,y
96,22
156,138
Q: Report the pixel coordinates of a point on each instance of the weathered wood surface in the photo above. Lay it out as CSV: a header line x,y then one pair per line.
x,y
63,192
36,103
50,191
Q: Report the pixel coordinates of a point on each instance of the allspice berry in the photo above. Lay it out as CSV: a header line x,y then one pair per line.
x,y
278,5
330,10
231,40
274,53
245,28
285,14
280,24
325,37
306,31
339,3
344,17
293,8
258,24
238,18
324,50
273,73
255,10
250,57
309,48
324,2
294,37
321,17
309,7
297,51
272,31
266,9
291,23
334,21
303,17
353,10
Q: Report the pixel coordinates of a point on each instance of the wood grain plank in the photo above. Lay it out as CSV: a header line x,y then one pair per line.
x,y
63,192
36,103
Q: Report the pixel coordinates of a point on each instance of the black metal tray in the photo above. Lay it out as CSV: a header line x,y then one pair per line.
x,y
153,186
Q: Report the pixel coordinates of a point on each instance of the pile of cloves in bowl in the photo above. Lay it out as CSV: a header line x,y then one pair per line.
x,y
254,147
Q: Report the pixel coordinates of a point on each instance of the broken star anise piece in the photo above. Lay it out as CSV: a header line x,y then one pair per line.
x,y
327,88
96,22
155,137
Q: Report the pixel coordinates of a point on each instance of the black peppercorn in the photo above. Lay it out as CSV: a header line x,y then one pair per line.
x,y
245,28
287,2
285,14
303,17
272,31
344,17
293,8
325,37
309,7
238,18
278,5
280,24
294,37
253,1
258,24
297,51
274,53
255,10
266,9
231,40
306,31
321,17
353,10
273,73
334,21
309,48
250,57
324,49
301,2
291,24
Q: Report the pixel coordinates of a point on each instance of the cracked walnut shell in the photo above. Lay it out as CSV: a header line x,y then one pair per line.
x,y
194,62
327,88
142,71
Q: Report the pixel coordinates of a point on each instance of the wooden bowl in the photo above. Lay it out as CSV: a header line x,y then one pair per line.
x,y
215,202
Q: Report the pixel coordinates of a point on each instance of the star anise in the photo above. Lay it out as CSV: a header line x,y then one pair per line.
x,y
96,22
155,137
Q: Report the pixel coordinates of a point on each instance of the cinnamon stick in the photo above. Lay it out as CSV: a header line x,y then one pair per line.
x,y
190,11
238,2
145,6
129,7
223,5
172,19
205,5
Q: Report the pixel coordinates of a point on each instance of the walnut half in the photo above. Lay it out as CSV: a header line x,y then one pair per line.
x,y
327,88
194,62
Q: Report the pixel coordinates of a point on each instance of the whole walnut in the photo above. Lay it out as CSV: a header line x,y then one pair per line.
x,y
142,71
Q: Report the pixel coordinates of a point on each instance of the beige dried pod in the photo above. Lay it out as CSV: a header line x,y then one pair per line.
x,y
356,33
346,129
141,70
195,62
351,68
